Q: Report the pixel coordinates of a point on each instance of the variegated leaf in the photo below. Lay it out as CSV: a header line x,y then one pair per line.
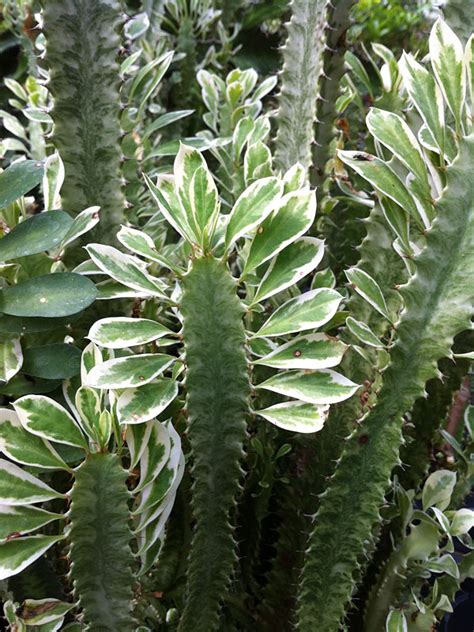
x,y
252,207
83,223
296,416
11,357
369,289
88,406
142,244
18,487
47,419
290,266
291,219
155,455
23,519
125,269
164,195
447,61
23,447
310,352
130,371
384,180
18,554
425,94
294,179
120,332
392,131
136,405
308,311
363,332
137,436
320,388
43,612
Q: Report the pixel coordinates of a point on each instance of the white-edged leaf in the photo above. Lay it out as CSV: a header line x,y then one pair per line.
x,y
320,388
396,622
23,447
83,223
462,522
47,419
154,494
447,61
294,179
91,357
17,554
252,207
291,219
136,405
310,352
88,406
18,487
43,612
121,332
137,436
142,244
307,311
385,181
11,357
369,289
125,269
296,416
164,195
155,455
130,371
438,489
392,131
23,519
425,94
290,266
363,333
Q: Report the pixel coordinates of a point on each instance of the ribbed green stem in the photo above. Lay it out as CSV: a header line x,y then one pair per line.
x,y
82,44
302,66
101,558
217,384
337,23
438,305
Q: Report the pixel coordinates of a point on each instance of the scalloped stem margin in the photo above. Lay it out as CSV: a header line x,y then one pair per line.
x,y
82,47
438,305
218,389
100,553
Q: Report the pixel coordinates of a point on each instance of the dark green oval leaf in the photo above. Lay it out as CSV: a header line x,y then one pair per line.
x,y
52,362
19,179
37,234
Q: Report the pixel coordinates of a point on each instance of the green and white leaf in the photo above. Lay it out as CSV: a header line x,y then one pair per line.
x,y
142,244
383,179
296,416
129,372
447,61
47,419
137,437
18,487
23,447
252,207
369,289
392,131
396,622
308,311
164,195
462,522
155,455
23,519
125,269
88,406
83,223
309,352
438,489
18,554
320,388
290,266
291,219
363,333
425,94
41,612
137,405
120,332
11,358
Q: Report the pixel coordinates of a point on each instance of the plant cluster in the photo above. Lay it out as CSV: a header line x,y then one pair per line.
x,y
235,320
